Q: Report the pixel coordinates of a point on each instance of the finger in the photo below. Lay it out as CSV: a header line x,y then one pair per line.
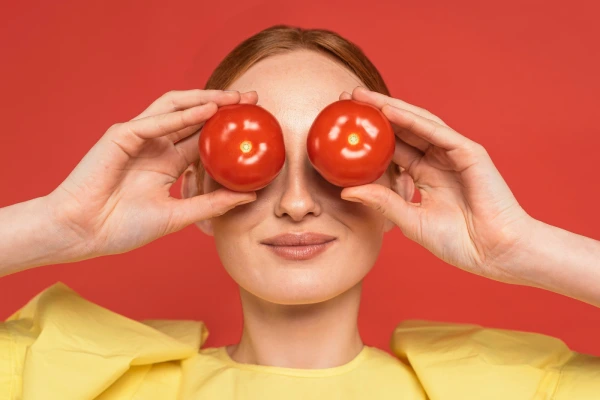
x,y
345,96
408,149
177,100
165,124
188,149
432,132
250,97
406,155
183,133
379,100
411,138
245,98
188,211
389,203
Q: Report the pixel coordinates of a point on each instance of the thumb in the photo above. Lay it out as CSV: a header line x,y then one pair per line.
x,y
389,203
206,206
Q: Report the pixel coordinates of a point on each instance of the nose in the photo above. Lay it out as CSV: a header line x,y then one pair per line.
x,y
298,194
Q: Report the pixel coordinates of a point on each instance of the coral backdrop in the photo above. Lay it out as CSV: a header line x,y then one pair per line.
x,y
520,77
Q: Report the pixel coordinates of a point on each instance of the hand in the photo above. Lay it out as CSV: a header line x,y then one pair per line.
x,y
467,216
117,198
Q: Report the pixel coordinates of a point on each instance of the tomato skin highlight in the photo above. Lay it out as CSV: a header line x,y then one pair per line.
x,y
350,143
241,147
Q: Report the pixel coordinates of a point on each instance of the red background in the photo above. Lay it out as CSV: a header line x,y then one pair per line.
x,y
519,77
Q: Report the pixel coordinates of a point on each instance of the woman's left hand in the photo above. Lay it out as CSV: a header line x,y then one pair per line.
x,y
467,216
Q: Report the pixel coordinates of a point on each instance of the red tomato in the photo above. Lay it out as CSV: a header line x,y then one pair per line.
x,y
350,143
241,147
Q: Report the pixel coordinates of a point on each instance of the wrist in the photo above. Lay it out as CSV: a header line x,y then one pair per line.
x,y
30,236
518,264
557,260
527,265
68,244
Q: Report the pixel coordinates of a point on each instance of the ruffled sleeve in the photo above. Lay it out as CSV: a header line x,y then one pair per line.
x,y
462,361
61,346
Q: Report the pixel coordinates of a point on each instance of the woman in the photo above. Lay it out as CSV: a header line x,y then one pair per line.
x,y
300,337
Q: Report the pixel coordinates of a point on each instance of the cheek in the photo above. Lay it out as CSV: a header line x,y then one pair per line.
x,y
360,219
367,225
365,229
232,242
234,223
233,233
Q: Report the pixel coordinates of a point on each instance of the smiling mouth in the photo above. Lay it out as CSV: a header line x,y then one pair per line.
x,y
301,252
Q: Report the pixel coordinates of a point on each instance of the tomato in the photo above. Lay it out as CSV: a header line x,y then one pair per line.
x,y
350,143
241,147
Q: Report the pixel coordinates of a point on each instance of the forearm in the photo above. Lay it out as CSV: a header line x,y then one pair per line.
x,y
560,261
30,236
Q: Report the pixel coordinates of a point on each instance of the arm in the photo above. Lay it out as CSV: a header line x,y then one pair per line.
x,y
117,198
559,261
30,236
468,216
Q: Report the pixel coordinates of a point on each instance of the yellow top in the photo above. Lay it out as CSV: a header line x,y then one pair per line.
x,y
61,346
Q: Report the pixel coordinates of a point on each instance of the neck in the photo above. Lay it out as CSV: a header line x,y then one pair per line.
x,y
321,335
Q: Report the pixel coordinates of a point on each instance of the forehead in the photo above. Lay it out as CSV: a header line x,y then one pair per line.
x,y
295,86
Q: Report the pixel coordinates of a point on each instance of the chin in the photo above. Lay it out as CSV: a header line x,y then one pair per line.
x,y
292,282
299,284
295,295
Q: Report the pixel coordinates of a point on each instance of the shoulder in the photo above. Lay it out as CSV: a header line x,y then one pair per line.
x,y
58,333
494,345
490,362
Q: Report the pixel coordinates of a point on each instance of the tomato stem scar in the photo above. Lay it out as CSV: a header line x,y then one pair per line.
x,y
246,146
353,139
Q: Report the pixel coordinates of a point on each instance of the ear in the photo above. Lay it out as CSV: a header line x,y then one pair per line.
x,y
403,184
189,188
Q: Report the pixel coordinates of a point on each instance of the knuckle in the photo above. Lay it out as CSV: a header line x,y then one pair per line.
x,y
431,129
477,148
171,99
474,149
413,164
210,200
429,115
114,128
384,199
184,119
128,130
214,205
158,123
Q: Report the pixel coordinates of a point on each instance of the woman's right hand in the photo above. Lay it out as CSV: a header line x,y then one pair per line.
x,y
117,198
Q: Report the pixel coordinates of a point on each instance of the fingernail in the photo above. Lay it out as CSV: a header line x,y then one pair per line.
x,y
250,200
354,199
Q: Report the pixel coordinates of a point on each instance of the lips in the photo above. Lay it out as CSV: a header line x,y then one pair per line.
x,y
299,247
298,239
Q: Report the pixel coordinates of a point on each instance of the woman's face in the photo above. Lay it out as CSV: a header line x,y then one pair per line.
x,y
295,87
